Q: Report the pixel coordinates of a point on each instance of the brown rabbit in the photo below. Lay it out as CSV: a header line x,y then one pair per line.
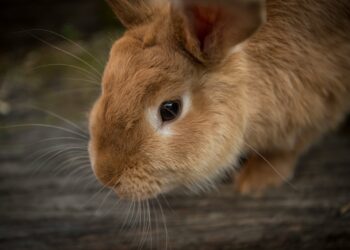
x,y
192,85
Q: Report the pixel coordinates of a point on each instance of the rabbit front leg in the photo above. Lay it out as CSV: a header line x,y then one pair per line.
x,y
263,171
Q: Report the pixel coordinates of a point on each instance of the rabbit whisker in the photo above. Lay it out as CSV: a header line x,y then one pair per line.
x,y
84,80
142,227
60,139
126,219
164,224
103,201
149,222
89,75
273,168
70,41
56,151
104,187
69,122
98,73
44,126
157,239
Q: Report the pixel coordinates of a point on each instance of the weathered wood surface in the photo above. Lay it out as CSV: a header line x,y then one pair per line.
x,y
43,210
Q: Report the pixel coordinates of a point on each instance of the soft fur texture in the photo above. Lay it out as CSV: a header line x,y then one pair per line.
x,y
264,89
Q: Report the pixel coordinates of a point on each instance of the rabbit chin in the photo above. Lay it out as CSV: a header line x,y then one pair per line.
x,y
131,189
142,191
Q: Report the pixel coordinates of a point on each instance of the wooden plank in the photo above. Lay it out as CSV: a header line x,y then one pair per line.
x,y
47,211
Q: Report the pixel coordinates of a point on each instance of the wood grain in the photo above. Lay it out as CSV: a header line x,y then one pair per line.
x,y
43,210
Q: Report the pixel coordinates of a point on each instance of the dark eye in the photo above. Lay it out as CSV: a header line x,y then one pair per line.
x,y
170,110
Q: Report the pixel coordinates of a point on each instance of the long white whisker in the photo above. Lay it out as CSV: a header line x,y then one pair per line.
x,y
273,168
54,156
104,200
72,42
53,147
149,223
157,239
116,204
142,240
81,178
44,126
70,91
84,80
89,75
97,193
126,219
90,180
167,203
48,151
69,122
74,171
60,139
134,222
69,54
164,223
68,163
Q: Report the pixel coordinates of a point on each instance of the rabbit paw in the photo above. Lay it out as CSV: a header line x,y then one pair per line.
x,y
261,173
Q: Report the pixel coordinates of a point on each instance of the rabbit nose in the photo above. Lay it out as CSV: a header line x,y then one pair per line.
x,y
106,175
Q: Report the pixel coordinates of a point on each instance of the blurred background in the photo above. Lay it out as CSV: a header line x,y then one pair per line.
x,y
52,54
43,43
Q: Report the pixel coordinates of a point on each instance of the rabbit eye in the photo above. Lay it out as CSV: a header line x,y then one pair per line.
x,y
170,110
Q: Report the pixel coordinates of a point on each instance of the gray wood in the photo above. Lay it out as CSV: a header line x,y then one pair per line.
x,y
47,210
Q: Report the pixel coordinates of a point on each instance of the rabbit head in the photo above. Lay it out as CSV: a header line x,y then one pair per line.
x,y
168,115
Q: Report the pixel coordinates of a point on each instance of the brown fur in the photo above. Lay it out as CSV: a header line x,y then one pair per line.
x,y
287,86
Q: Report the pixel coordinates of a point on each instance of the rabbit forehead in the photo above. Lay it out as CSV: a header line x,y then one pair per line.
x,y
137,77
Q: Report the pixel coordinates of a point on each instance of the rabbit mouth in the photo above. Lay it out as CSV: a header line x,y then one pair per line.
x,y
143,186
127,190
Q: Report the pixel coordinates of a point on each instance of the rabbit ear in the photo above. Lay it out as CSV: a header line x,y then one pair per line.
x,y
132,12
210,29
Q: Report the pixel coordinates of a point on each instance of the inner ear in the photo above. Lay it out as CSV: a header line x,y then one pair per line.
x,y
210,29
203,19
